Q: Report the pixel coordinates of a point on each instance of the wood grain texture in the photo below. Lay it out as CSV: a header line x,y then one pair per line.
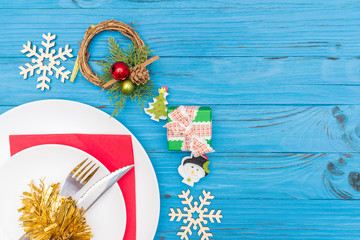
x,y
267,196
274,219
270,31
259,129
228,81
282,78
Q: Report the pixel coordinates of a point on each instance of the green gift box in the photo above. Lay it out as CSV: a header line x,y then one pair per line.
x,y
201,123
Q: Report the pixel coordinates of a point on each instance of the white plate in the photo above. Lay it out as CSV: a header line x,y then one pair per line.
x,y
62,116
107,218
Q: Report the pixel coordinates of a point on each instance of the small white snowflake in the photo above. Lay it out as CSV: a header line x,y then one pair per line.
x,y
188,216
51,63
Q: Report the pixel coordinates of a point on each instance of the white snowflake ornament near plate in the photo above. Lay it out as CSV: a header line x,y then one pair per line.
x,y
195,215
46,61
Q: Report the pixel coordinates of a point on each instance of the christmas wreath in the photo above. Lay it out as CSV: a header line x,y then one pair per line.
x,y
124,72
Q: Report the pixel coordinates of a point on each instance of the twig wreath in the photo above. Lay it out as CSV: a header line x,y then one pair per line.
x,y
136,83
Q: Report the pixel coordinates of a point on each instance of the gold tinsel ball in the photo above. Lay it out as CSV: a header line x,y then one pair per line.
x,y
46,215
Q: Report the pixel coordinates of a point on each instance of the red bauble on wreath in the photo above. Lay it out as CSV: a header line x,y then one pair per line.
x,y
120,71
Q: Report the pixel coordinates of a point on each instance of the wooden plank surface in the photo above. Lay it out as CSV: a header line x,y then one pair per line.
x,y
270,31
235,80
282,78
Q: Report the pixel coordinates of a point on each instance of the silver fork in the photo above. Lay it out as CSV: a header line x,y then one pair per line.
x,y
76,178
75,181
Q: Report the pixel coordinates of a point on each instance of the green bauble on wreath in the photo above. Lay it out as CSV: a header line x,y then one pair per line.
x,y
127,87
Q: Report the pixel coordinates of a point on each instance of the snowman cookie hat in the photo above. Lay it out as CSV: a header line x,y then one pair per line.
x,y
202,161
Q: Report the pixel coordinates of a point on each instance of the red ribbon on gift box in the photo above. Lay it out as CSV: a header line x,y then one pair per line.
x,y
193,134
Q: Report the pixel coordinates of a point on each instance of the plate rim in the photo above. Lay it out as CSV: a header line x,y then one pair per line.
x,y
142,152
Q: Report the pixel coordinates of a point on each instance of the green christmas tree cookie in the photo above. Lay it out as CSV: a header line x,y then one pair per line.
x,y
158,109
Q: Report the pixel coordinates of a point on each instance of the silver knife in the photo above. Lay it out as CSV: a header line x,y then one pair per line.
x,y
95,192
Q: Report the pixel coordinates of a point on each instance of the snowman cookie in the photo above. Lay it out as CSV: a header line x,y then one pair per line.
x,y
192,169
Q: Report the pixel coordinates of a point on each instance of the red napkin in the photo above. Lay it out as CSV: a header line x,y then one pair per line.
x,y
114,151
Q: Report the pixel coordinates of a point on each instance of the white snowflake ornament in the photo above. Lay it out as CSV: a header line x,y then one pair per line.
x,y
195,215
46,61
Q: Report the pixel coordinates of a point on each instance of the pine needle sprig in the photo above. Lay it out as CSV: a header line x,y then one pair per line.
x,y
116,53
132,57
137,56
143,92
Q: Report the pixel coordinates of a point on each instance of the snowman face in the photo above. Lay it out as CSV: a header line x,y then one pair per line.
x,y
194,171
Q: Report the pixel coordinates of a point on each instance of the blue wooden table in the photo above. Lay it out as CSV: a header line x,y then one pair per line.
x,y
282,78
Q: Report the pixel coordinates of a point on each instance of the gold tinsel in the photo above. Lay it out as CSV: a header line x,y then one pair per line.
x,y
46,215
